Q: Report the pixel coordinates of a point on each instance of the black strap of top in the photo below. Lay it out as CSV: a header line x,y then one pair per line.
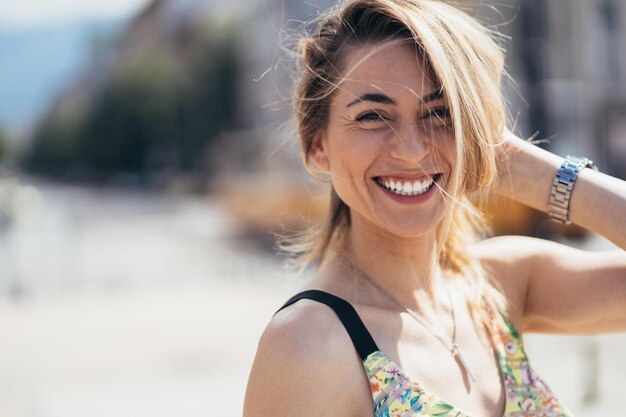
x,y
361,338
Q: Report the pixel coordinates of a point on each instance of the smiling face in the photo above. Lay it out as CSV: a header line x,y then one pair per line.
x,y
388,144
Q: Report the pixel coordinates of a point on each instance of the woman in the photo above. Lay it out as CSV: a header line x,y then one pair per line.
x,y
408,314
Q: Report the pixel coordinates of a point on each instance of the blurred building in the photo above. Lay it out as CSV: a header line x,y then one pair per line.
x,y
568,59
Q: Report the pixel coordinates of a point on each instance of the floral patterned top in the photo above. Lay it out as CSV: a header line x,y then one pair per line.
x,y
395,395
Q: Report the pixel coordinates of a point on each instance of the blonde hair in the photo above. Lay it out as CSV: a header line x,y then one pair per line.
x,y
468,64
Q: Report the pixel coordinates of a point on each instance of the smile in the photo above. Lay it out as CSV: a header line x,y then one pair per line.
x,y
406,187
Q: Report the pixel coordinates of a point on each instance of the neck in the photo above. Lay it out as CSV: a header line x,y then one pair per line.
x,y
406,267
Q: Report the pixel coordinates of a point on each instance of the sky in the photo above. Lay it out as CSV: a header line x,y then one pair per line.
x,y
28,14
43,44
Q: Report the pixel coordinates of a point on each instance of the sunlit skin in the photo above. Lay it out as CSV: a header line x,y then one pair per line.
x,y
389,119
378,126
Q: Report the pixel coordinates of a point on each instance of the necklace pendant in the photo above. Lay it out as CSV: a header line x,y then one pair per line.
x,y
457,351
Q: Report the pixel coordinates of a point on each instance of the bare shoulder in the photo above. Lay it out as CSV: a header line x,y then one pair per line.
x,y
303,360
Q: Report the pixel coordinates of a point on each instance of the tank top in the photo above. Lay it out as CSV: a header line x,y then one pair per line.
x,y
395,395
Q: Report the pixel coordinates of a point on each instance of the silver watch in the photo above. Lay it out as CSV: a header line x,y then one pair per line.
x,y
558,204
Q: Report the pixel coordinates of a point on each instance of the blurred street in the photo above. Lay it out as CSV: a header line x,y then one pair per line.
x,y
153,307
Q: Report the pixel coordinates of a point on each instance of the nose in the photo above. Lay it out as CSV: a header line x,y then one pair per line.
x,y
409,144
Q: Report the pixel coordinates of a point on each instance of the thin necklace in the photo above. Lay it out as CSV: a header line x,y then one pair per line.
x,y
453,347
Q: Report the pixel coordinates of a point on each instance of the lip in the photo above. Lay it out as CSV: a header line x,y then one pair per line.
x,y
411,199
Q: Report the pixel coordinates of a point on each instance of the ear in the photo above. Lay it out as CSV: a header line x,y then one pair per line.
x,y
318,153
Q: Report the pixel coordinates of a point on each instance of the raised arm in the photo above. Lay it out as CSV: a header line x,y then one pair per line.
x,y
564,290
598,201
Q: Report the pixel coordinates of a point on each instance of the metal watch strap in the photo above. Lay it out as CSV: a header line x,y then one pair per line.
x,y
558,204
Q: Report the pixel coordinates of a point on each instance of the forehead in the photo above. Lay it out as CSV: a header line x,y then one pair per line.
x,y
396,69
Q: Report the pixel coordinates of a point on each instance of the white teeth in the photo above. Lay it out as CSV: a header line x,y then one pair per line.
x,y
421,186
407,187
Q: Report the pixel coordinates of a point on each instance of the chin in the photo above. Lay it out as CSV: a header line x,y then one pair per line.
x,y
412,228
411,222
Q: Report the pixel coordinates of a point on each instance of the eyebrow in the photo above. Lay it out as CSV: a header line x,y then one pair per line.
x,y
385,99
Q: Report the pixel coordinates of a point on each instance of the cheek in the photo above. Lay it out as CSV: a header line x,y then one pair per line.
x,y
355,153
445,144
351,161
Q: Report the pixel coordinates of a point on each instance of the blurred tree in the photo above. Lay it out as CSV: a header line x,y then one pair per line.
x,y
210,104
133,116
157,116
55,147
3,145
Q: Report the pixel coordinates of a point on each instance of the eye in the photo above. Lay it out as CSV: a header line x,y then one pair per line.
x,y
370,115
437,117
441,112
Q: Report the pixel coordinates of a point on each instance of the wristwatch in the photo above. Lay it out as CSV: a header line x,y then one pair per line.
x,y
558,204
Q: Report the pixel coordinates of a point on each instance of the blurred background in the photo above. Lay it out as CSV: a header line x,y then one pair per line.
x,y
147,158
